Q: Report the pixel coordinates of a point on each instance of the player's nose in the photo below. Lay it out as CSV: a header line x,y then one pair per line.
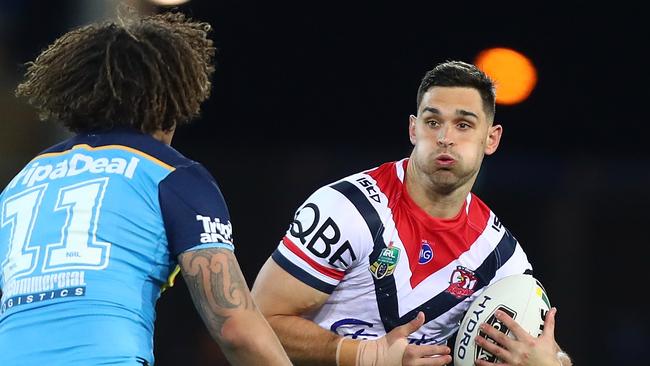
x,y
444,137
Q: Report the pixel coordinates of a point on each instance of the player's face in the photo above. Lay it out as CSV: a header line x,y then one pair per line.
x,y
451,134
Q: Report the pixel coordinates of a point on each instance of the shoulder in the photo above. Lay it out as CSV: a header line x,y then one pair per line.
x,y
350,209
505,250
480,214
332,230
127,140
363,191
488,224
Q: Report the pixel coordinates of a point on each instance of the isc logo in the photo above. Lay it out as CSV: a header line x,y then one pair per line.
x,y
370,188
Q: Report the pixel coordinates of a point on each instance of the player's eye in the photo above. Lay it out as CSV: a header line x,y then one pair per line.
x,y
433,123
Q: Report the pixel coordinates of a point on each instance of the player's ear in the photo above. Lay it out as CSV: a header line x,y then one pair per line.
x,y
412,120
493,138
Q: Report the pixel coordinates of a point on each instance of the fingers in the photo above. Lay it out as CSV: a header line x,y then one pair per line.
x,y
484,363
515,328
426,355
524,347
430,361
503,341
499,337
417,355
549,324
429,350
408,328
498,349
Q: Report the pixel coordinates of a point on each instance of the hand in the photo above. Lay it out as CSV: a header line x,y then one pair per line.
x,y
393,349
524,349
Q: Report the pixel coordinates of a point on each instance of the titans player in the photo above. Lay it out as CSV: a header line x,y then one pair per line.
x,y
94,227
379,267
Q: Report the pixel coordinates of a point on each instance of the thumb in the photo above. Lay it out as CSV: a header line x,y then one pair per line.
x,y
549,323
408,328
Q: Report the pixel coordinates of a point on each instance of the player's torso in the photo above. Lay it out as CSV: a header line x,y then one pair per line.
x,y
75,223
407,261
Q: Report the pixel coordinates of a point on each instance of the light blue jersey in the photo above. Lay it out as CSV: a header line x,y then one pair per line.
x,y
89,234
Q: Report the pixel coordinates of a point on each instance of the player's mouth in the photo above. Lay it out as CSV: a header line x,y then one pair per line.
x,y
445,160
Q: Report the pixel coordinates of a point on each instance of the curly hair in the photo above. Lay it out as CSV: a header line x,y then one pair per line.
x,y
151,73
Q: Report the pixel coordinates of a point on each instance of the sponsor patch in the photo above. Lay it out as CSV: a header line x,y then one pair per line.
x,y
215,231
426,253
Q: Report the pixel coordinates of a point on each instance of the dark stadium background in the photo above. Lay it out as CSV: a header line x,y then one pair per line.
x,y
306,93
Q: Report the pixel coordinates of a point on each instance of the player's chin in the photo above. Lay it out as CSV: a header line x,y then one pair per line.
x,y
445,180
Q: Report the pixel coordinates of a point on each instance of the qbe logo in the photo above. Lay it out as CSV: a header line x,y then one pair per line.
x,y
215,231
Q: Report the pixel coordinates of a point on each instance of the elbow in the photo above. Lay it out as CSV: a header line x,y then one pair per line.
x,y
233,333
243,333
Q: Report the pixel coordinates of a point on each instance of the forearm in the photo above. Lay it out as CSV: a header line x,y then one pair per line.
x,y
247,339
306,343
222,298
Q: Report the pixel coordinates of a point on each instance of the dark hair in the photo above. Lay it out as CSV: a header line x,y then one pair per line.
x,y
149,73
460,74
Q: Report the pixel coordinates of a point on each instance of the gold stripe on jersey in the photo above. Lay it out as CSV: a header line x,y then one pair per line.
x,y
108,147
171,279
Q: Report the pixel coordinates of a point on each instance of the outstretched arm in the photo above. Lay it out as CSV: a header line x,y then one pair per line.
x,y
284,300
223,300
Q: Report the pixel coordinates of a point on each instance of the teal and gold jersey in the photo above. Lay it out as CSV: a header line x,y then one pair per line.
x,y
90,231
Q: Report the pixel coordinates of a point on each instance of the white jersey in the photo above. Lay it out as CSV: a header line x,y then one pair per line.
x,y
383,259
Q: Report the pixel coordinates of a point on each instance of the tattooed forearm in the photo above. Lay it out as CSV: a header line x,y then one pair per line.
x,y
216,284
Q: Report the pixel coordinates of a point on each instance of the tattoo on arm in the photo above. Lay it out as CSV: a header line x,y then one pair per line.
x,y
216,284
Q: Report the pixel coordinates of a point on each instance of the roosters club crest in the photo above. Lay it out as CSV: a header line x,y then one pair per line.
x,y
462,282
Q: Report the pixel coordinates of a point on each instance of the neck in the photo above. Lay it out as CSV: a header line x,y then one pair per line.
x,y
164,136
437,202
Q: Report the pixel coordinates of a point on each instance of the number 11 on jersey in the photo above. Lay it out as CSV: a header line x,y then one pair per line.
x,y
77,248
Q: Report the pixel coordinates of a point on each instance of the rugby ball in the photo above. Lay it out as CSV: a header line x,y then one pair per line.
x,y
521,296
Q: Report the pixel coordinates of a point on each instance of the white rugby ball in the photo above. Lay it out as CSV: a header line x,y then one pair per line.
x,y
521,296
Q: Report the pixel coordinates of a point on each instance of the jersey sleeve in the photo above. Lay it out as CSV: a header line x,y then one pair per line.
x,y
325,239
517,262
194,211
498,253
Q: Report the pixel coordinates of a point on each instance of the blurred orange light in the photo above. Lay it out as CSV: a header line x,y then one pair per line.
x,y
168,2
514,74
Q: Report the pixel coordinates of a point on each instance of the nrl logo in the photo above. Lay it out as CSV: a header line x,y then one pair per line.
x,y
386,263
